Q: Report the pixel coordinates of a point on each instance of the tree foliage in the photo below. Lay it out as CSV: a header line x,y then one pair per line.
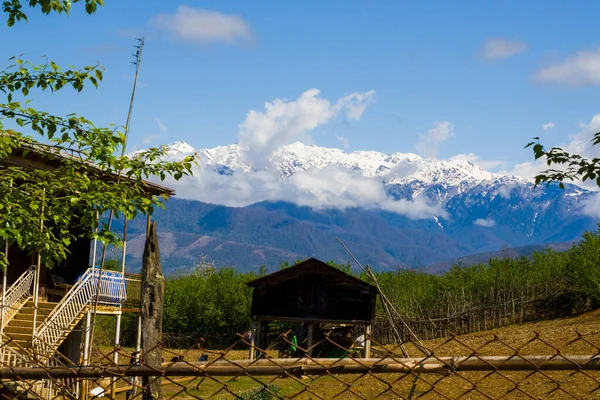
x,y
574,166
214,304
90,177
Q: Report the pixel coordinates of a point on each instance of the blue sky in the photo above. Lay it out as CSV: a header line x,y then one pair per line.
x,y
495,71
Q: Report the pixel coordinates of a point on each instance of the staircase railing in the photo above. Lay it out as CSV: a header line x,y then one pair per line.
x,y
13,355
110,291
17,295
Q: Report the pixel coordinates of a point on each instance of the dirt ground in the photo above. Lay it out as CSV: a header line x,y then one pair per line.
x,y
568,336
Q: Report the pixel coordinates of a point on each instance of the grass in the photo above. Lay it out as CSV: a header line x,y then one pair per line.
x,y
540,338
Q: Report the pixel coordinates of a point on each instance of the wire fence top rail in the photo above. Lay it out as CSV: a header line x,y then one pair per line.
x,y
482,366
314,366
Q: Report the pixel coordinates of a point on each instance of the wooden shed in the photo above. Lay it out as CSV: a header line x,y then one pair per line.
x,y
312,292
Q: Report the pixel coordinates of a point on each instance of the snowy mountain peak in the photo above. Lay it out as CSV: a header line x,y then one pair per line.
x,y
438,179
179,147
395,168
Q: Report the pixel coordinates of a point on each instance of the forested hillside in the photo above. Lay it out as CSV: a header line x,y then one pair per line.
x,y
267,233
215,303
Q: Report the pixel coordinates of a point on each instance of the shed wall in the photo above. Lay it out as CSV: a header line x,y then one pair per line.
x,y
314,296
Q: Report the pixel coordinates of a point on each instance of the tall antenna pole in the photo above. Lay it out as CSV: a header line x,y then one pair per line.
x,y
137,62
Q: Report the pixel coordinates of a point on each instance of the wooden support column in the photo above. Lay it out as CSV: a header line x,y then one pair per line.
x,y
84,384
310,339
153,289
367,341
138,350
260,338
3,295
253,329
116,353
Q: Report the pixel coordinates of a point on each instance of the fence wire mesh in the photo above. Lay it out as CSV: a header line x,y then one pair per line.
x,y
484,366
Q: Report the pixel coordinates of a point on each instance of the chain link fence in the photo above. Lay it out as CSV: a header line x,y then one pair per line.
x,y
484,366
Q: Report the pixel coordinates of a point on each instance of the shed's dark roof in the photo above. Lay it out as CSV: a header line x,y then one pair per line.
x,y
40,156
289,273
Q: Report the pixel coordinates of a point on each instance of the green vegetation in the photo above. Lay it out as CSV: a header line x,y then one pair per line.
x,y
210,304
66,200
573,166
501,292
214,304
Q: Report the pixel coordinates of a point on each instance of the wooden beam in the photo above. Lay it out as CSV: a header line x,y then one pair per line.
x,y
308,319
367,343
253,329
278,366
153,290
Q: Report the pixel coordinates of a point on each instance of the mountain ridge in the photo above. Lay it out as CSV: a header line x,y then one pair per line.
x,y
461,209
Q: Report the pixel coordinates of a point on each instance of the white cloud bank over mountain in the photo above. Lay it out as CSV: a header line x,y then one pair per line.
x,y
283,122
271,163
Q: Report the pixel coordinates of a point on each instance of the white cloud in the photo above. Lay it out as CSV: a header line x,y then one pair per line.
x,y
549,125
487,222
581,69
474,158
343,140
355,104
497,48
428,145
591,206
283,122
203,26
331,187
161,126
580,143
150,138
504,191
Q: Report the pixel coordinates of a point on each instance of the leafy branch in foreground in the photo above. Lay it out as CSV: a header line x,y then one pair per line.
x,y
574,165
14,9
83,177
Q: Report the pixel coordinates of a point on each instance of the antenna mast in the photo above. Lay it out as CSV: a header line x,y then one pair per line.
x,y
137,62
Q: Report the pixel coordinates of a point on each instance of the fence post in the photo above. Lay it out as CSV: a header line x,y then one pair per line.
x,y
153,288
367,342
253,329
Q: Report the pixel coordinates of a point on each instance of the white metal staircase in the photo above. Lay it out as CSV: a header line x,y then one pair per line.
x,y
110,287
23,347
17,295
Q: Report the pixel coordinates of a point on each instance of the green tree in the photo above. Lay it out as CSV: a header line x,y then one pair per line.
x,y
575,166
90,178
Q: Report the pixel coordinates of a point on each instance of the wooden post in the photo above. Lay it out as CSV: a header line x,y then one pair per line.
x,y
36,280
253,329
138,351
367,341
153,289
116,353
260,340
3,294
86,353
310,339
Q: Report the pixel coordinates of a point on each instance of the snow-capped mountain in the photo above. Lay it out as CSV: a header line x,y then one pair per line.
x,y
438,179
396,168
473,210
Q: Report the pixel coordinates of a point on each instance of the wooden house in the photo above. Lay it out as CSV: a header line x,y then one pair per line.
x,y
46,312
312,293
